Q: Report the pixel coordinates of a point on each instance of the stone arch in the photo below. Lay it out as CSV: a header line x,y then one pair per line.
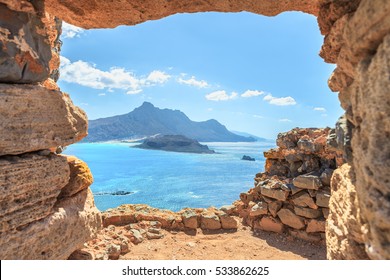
x,y
357,39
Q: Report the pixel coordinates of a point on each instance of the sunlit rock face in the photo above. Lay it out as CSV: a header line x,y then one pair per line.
x,y
36,118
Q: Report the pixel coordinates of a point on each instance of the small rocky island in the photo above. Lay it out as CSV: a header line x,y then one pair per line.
x,y
174,143
248,158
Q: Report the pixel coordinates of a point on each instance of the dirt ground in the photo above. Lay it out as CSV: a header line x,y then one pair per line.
x,y
222,245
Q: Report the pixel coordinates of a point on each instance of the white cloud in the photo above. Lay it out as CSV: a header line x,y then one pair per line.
x,y
210,109
280,101
101,94
285,120
258,116
221,95
71,31
88,75
251,93
157,77
321,109
192,81
324,115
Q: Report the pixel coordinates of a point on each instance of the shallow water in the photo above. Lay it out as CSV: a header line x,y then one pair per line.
x,y
170,180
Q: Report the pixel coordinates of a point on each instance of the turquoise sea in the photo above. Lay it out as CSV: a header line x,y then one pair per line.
x,y
170,180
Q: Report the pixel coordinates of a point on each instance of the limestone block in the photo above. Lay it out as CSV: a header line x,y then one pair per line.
x,y
258,209
29,186
34,118
307,181
80,177
322,198
308,212
75,221
289,218
227,222
25,50
190,219
209,221
276,190
303,199
344,236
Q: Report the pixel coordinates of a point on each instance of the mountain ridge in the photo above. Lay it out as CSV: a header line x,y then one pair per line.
x,y
148,120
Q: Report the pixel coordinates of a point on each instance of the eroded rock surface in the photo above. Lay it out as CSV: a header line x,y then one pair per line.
x,y
75,220
34,118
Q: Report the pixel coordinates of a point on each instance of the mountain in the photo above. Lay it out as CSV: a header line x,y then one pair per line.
x,y
148,120
257,138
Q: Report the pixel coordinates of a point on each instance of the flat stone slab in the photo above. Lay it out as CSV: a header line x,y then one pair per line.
x,y
29,187
34,118
271,224
303,199
310,182
275,190
308,212
290,219
322,198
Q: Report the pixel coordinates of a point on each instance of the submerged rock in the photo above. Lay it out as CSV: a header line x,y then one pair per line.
x,y
248,158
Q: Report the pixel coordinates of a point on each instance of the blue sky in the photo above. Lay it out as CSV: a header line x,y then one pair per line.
x,y
255,74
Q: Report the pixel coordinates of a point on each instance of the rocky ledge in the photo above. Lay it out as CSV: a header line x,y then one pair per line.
x,y
174,143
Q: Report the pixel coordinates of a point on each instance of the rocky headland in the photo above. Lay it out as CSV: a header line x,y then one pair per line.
x,y
174,143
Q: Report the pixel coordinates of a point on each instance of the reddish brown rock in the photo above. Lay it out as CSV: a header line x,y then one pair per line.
x,y
227,222
290,219
190,219
316,226
303,199
308,212
276,190
209,221
271,224
307,181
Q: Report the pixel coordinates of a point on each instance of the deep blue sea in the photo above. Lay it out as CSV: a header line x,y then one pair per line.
x,y
170,180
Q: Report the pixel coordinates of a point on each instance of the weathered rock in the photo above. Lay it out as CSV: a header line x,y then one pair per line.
x,y
308,212
261,208
24,47
209,221
57,236
113,251
150,235
276,190
29,187
325,212
322,198
190,219
370,140
315,226
137,236
34,118
246,197
228,209
326,176
303,199
101,14
227,222
344,236
307,181
271,224
274,207
80,177
289,218
81,254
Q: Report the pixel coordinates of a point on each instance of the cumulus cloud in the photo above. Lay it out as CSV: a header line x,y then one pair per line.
x,y
70,31
285,120
88,75
280,101
221,95
251,93
320,109
192,82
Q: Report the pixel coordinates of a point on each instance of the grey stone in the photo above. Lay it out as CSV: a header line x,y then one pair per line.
x,y
322,198
307,181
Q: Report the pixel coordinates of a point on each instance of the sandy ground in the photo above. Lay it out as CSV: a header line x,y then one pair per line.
x,y
222,245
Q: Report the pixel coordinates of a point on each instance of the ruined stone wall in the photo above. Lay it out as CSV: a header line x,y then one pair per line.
x,y
35,116
46,208
292,195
